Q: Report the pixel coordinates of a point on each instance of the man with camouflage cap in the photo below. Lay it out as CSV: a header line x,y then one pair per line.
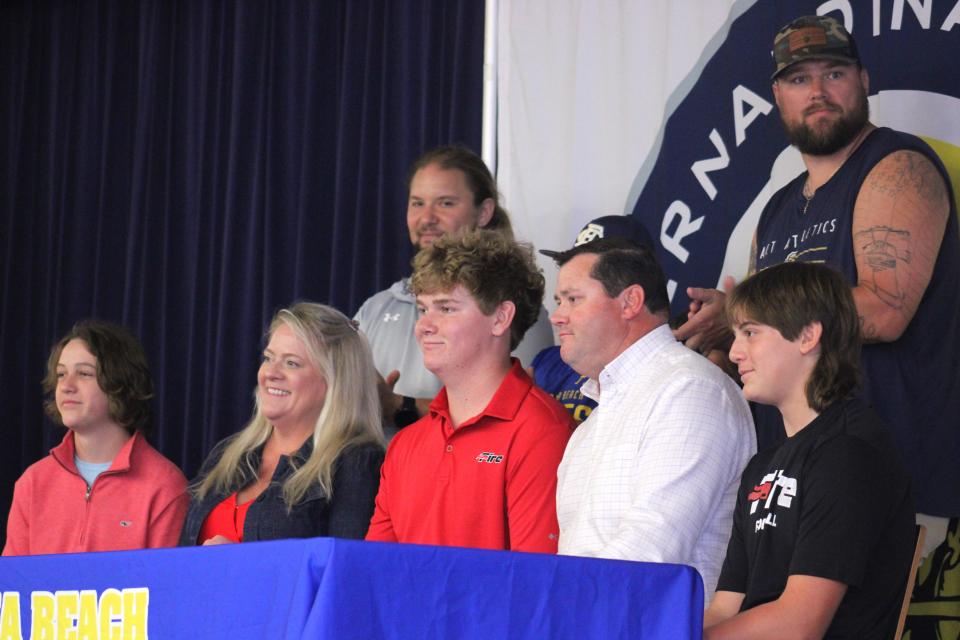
x,y
877,205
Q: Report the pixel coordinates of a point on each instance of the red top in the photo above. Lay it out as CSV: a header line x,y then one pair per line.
x,y
491,483
226,519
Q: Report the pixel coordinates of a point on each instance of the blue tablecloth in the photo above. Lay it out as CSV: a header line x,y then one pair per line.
x,y
328,588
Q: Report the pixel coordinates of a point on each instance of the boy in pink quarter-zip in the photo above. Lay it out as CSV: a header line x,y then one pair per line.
x,y
103,488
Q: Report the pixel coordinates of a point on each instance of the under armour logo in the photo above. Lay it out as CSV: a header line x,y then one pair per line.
x,y
125,523
391,317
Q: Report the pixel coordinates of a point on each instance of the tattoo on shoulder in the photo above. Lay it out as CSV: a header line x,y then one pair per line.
x,y
883,248
911,171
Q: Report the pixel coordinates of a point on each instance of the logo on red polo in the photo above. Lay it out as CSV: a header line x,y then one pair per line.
x,y
489,458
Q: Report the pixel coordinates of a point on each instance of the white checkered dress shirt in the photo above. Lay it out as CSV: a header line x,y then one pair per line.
x,y
652,474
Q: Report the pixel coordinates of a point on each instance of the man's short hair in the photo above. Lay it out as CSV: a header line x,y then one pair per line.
x,y
620,263
122,373
791,296
488,265
479,180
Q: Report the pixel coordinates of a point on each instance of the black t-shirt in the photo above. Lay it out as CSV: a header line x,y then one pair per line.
x,y
833,502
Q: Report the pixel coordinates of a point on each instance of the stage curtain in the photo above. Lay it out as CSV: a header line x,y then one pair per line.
x,y
188,167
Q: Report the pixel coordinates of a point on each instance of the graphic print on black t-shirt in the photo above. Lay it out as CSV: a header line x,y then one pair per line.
x,y
776,491
831,502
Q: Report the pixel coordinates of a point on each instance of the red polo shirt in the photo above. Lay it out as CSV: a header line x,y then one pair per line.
x,y
491,483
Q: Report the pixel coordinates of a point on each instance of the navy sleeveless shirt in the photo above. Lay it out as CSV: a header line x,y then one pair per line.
x,y
914,382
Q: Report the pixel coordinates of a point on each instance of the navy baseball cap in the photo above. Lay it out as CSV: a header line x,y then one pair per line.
x,y
626,229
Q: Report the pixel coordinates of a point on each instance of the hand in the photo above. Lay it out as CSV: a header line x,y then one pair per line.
x,y
218,539
389,401
706,327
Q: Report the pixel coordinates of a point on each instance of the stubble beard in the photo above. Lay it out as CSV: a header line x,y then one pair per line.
x,y
832,136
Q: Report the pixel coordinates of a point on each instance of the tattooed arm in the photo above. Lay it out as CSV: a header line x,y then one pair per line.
x,y
898,225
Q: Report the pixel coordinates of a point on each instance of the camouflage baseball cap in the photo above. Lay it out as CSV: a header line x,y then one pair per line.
x,y
809,38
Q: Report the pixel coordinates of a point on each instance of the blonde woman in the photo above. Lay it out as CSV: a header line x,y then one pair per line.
x,y
308,462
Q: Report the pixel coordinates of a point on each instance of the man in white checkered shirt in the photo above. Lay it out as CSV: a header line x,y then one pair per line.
x,y
652,474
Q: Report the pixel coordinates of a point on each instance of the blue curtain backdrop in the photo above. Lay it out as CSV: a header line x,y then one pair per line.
x,y
186,168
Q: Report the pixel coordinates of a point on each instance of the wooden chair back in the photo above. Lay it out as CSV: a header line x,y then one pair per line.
x,y
911,578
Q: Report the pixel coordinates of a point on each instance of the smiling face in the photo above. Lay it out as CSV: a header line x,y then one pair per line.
x,y
440,203
823,105
772,369
453,333
82,404
588,322
290,387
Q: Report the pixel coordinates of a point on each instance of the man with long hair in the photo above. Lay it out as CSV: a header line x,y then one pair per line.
x,y
450,190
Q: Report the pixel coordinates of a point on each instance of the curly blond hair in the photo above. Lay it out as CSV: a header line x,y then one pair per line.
x,y
488,265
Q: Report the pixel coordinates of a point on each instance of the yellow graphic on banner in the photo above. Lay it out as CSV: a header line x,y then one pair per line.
x,y
78,615
10,616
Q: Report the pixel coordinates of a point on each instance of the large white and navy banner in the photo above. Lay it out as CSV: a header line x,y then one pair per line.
x,y
663,110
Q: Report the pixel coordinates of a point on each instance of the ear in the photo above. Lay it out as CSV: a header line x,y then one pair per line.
x,y
503,318
810,337
776,92
631,301
865,80
487,207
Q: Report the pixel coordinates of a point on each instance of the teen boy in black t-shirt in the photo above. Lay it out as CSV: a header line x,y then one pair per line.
x,y
823,529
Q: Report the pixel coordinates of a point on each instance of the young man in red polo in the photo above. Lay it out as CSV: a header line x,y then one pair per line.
x,y
823,530
480,469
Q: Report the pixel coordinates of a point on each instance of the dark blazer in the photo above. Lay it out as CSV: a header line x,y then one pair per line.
x,y
355,482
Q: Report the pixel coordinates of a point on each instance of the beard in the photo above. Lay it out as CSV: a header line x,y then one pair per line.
x,y
832,136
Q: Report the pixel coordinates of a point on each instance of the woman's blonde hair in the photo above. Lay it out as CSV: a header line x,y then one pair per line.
x,y
350,415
